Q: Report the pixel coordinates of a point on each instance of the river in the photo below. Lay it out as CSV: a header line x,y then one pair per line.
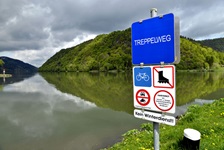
x,y
83,111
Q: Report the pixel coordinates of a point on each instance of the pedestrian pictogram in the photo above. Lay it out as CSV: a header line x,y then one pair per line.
x,y
163,100
142,97
142,76
163,77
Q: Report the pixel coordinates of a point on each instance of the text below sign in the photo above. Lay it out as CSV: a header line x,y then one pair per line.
x,y
155,40
157,91
155,117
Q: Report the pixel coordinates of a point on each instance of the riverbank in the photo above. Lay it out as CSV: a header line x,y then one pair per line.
x,y
207,119
5,75
221,69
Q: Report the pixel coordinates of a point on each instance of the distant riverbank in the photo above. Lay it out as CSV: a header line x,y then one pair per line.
x,y
5,75
203,70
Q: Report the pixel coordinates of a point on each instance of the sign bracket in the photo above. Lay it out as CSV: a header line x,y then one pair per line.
x,y
162,64
161,16
141,65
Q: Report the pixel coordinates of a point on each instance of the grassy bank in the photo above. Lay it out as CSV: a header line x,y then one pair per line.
x,y
207,119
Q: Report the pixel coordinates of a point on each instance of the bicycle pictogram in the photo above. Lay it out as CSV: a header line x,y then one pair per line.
x,y
141,76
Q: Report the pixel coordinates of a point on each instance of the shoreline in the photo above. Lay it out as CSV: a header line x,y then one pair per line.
x,y
5,75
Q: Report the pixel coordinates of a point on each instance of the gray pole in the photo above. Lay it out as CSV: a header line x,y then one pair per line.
x,y
153,12
156,135
155,124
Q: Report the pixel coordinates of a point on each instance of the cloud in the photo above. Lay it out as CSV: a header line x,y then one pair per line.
x,y
39,28
38,57
25,29
202,20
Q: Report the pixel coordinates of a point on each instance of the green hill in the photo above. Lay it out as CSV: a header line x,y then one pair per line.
x,y
113,52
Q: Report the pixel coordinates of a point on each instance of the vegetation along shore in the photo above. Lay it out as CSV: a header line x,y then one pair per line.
x,y
5,75
207,119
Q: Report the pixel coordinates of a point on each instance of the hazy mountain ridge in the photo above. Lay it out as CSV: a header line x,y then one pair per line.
x,y
14,66
216,44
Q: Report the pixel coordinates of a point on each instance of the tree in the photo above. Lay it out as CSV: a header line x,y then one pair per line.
x,y
210,60
1,62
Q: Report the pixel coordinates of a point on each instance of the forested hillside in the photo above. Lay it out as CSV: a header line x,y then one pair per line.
x,y
113,52
216,44
197,56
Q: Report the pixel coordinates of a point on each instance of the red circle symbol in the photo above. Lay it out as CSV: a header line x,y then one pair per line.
x,y
143,98
163,100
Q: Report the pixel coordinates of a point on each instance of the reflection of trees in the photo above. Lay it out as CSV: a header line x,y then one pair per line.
x,y
1,87
194,85
15,78
115,91
106,90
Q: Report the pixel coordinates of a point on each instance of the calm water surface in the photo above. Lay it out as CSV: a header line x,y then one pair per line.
x,y
83,111
35,115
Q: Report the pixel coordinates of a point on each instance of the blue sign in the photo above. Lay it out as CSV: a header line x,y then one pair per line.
x,y
142,76
153,40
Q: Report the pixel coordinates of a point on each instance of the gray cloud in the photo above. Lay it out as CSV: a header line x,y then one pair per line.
x,y
44,25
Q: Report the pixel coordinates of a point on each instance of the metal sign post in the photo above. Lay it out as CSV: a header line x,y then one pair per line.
x,y
155,124
155,41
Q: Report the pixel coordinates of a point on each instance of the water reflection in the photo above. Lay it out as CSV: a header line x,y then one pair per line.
x,y
198,85
35,115
69,113
14,78
49,94
115,91
107,90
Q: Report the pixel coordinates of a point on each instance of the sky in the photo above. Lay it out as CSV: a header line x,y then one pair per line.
x,y
34,30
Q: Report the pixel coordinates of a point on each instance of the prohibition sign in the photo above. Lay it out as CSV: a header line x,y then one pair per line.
x,y
163,100
142,96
